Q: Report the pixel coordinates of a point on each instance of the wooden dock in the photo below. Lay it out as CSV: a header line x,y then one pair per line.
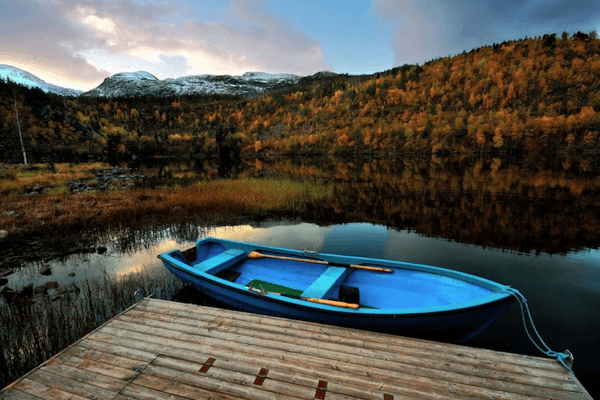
x,y
165,350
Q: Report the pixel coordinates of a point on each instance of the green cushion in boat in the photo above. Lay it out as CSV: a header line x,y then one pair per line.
x,y
271,287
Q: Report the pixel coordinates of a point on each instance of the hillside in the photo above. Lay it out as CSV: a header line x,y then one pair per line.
x,y
533,95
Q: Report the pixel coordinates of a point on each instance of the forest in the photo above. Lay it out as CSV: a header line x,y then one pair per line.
x,y
535,95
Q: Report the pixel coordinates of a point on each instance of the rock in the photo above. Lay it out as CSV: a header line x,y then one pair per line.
x,y
3,234
45,270
37,189
178,209
52,285
13,213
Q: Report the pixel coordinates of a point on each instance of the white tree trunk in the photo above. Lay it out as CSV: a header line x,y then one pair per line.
x,y
19,128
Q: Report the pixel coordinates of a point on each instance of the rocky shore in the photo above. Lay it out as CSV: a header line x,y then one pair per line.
x,y
104,179
107,179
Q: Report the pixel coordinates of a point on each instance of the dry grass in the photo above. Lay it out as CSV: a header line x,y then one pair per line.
x,y
135,208
14,178
34,329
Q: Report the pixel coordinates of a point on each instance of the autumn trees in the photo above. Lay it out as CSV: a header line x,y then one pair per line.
x,y
533,95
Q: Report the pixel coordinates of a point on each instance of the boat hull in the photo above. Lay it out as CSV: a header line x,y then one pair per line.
x,y
452,323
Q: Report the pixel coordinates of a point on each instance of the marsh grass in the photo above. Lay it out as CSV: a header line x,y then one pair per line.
x,y
137,208
34,329
14,178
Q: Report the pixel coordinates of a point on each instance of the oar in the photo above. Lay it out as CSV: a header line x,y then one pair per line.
x,y
256,254
334,303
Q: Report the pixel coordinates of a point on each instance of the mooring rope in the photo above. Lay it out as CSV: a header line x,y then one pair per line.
x,y
562,358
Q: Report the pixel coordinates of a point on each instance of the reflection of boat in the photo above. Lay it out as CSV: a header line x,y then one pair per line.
x,y
412,299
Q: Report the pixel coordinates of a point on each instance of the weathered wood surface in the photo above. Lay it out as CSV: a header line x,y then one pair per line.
x,y
166,350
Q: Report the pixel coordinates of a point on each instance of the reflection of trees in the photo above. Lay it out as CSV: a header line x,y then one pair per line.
x,y
525,207
536,204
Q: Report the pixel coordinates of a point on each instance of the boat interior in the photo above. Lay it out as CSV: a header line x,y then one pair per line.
x,y
404,288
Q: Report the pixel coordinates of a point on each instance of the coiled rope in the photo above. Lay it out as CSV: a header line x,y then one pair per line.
x,y
566,358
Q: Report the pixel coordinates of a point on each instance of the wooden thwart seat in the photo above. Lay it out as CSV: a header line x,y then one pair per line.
x,y
221,261
327,284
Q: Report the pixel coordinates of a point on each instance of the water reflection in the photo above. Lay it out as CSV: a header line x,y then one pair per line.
x,y
533,205
78,268
563,290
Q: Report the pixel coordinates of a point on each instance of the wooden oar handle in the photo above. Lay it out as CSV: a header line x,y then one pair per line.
x,y
331,302
366,267
334,303
256,254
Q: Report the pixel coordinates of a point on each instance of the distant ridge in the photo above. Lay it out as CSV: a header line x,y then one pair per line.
x,y
21,77
141,83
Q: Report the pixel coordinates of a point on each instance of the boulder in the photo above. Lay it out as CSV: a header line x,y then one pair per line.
x,y
45,270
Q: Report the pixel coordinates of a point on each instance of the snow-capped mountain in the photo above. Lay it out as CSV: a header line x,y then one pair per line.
x,y
130,84
24,78
134,84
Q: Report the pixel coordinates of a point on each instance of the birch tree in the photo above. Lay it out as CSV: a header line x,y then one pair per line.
x,y
19,129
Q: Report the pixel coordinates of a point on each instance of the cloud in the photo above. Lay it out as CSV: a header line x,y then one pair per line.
x,y
39,38
251,38
87,40
423,30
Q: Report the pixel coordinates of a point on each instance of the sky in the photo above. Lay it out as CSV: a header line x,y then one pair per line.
x,y
78,43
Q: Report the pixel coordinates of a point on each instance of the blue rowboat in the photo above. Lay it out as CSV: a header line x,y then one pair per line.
x,y
374,294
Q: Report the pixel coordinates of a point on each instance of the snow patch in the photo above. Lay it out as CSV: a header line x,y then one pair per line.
x,y
24,78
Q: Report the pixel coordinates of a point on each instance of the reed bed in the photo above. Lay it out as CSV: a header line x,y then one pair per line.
x,y
34,329
140,207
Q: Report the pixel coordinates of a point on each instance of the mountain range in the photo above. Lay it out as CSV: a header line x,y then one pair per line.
x,y
134,84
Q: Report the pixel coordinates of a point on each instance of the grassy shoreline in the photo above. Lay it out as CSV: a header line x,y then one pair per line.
x,y
22,215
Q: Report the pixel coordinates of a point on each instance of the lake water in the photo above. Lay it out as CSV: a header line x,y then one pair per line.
x,y
531,225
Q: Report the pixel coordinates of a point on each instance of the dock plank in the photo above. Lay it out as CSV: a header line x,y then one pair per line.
x,y
38,390
484,368
165,350
219,317
359,358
